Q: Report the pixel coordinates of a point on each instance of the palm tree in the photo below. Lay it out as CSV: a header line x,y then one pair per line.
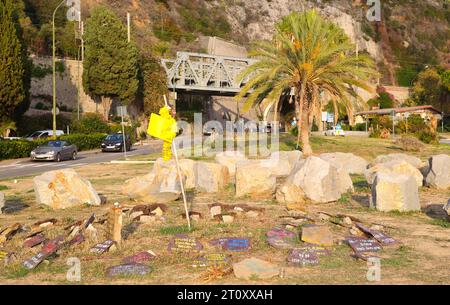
x,y
313,56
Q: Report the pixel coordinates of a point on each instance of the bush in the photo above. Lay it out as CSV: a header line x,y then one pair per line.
x,y
85,142
414,124
13,149
427,136
90,123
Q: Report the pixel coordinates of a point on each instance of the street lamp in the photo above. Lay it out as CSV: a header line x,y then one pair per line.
x,y
54,68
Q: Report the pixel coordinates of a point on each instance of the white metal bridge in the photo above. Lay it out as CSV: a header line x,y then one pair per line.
x,y
206,73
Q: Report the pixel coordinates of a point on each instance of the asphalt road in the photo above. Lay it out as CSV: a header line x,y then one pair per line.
x,y
25,167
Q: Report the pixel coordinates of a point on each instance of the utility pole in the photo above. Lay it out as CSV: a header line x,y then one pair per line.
x,y
54,68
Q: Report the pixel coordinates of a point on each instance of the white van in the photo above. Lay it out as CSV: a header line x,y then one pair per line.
x,y
43,134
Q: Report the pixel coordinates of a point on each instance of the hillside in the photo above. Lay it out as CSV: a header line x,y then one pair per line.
x,y
411,35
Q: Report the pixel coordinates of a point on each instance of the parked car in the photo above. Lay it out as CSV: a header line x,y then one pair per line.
x,y
55,151
43,134
114,142
335,132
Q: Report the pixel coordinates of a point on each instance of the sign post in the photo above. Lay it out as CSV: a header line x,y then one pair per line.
x,y
123,111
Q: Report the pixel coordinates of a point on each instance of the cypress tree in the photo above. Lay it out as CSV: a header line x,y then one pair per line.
x,y
15,69
110,63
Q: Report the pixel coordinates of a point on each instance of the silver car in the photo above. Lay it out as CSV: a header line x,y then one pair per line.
x,y
54,151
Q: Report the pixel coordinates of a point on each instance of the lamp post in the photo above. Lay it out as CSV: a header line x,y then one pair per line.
x,y
54,68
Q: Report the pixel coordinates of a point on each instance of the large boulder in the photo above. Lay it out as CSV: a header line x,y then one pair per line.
x,y
346,162
252,178
210,177
395,192
281,163
161,185
187,167
438,175
315,179
397,167
229,159
63,189
414,161
2,201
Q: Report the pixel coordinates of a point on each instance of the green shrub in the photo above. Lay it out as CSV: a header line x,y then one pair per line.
x,y
90,123
85,141
413,124
427,136
13,149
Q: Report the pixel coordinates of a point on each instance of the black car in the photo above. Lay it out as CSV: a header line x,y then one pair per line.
x,y
114,142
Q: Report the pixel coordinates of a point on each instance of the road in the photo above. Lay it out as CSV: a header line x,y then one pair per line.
x,y
25,167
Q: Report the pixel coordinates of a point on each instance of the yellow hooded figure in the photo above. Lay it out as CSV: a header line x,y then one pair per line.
x,y
163,127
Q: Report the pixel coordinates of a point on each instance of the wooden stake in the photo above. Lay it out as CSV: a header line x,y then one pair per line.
x,y
115,223
182,186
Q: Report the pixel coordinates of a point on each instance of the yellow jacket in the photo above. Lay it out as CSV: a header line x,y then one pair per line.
x,y
170,125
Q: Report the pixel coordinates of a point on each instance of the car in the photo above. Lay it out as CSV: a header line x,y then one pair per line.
x,y
43,134
114,142
55,151
335,132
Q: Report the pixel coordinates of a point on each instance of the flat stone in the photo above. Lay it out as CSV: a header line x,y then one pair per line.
x,y
438,175
215,210
303,257
318,235
140,257
254,268
227,219
281,238
63,189
128,269
184,243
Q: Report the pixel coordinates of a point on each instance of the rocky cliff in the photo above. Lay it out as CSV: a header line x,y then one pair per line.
x,y
410,35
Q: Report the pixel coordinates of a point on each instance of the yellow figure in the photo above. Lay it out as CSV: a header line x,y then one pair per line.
x,y
164,127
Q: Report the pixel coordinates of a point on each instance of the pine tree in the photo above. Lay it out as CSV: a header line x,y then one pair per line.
x,y
110,63
14,65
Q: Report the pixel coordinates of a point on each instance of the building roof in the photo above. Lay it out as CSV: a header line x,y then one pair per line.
x,y
400,110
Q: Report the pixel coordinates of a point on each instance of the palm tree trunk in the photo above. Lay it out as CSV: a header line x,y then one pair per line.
x,y
299,111
307,150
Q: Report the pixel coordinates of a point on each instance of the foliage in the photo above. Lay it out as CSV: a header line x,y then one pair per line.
x,y
198,19
427,136
153,84
406,74
13,149
90,123
313,55
14,65
111,63
428,87
413,124
383,100
85,141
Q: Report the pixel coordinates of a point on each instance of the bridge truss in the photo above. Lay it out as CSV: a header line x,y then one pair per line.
x,y
204,72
